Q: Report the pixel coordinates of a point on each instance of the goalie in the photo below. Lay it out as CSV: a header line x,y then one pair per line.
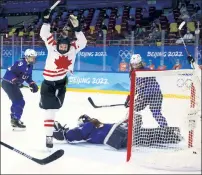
x,y
115,135
148,91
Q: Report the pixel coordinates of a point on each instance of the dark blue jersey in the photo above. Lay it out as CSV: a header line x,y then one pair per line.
x,y
21,70
146,86
89,133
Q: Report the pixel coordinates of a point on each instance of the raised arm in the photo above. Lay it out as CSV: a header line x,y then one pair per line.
x,y
81,41
45,32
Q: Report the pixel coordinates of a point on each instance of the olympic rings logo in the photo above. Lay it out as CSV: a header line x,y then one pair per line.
x,y
7,53
125,54
184,83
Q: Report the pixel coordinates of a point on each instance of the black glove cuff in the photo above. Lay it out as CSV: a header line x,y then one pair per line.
x,y
46,20
77,29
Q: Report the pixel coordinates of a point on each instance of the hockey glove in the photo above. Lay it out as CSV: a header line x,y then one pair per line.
x,y
46,15
33,87
59,132
75,23
190,59
127,102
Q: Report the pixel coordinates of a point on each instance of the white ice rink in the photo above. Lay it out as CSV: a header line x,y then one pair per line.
x,y
78,159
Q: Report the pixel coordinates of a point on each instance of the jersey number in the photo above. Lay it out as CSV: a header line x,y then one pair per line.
x,y
24,77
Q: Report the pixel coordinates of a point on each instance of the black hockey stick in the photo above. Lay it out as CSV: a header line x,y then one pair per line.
x,y
102,106
56,155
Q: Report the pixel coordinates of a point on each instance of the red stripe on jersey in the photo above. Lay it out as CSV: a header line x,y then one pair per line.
x,y
74,45
48,120
48,125
57,75
52,41
50,71
49,37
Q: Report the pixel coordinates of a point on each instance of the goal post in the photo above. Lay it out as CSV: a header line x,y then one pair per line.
x,y
180,105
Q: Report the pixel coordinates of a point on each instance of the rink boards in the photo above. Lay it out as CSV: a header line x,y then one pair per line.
x,y
118,83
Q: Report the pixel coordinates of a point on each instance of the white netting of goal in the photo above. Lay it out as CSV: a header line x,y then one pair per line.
x,y
165,119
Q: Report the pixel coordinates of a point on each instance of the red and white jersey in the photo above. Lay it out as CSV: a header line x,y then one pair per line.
x,y
58,65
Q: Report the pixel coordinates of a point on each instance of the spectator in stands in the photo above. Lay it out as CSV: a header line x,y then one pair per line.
x,y
155,32
197,14
184,13
138,31
188,37
197,8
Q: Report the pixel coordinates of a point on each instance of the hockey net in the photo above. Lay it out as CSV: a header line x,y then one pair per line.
x,y
173,146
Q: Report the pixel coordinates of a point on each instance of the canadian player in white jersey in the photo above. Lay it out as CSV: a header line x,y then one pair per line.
x,y
60,60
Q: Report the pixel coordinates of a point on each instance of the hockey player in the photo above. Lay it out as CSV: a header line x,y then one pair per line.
x,y
12,82
114,135
147,90
60,61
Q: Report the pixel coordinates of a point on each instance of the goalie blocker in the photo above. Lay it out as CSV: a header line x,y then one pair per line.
x,y
117,136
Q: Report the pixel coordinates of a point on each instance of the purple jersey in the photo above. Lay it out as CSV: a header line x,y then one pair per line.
x,y
145,86
20,70
89,133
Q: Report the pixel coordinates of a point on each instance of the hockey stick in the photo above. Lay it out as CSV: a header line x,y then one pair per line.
x,y
102,106
185,47
180,27
56,155
12,83
54,5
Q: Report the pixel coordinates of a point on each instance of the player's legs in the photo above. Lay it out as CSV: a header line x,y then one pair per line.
x,y
155,105
18,103
117,136
52,98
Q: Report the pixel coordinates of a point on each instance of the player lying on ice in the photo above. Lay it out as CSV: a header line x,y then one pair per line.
x,y
93,131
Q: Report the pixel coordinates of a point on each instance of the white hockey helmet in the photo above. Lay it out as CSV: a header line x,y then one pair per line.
x,y
136,61
30,55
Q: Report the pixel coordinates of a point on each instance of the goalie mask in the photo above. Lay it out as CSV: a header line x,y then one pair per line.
x,y
30,56
83,119
63,45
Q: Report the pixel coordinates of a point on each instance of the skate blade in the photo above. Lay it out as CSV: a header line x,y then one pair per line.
x,y
49,150
18,129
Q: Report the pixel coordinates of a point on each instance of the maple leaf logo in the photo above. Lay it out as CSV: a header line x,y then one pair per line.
x,y
63,62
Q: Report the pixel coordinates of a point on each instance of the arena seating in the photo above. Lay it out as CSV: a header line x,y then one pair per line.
x,y
117,22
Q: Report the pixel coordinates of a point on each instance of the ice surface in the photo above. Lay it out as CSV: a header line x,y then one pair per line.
x,y
78,159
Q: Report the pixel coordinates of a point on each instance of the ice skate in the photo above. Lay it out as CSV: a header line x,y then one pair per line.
x,y
17,125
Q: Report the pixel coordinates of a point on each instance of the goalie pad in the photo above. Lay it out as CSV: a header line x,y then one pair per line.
x,y
117,136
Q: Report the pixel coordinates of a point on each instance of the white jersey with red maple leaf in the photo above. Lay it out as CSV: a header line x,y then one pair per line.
x,y
58,65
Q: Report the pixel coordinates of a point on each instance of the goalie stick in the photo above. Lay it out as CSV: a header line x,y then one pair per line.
x,y
102,106
56,155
